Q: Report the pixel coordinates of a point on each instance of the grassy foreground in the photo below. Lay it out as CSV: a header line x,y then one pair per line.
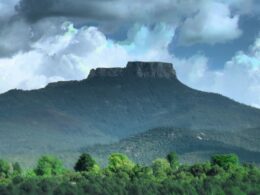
x,y
222,175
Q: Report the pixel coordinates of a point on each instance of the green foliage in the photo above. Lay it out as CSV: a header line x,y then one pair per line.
x,y
17,170
200,170
49,166
225,161
85,163
160,168
144,148
30,173
122,176
173,160
5,169
120,162
142,172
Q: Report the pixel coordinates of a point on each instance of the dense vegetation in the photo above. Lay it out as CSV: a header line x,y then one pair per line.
x,y
222,175
191,146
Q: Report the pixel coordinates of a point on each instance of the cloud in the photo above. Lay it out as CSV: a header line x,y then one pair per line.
x,y
14,36
194,71
17,35
200,21
123,10
104,10
239,79
7,8
240,6
24,71
212,24
242,75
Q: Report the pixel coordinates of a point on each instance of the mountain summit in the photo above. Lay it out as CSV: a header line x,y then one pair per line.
x,y
137,69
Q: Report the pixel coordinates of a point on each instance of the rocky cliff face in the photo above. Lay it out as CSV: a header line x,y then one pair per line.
x,y
137,69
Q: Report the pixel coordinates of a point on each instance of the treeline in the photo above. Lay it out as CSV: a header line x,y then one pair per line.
x,y
222,175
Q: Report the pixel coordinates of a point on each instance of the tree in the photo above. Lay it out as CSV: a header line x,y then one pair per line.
x,y
215,170
142,172
5,169
225,161
120,162
173,160
48,166
85,163
161,168
200,170
17,170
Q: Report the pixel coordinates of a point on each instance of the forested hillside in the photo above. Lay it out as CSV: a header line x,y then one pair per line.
x,y
190,145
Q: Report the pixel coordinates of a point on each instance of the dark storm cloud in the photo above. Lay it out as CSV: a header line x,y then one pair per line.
x,y
34,10
124,10
111,16
106,10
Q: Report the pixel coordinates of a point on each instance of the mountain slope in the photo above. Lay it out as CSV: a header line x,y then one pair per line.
x,y
189,145
110,105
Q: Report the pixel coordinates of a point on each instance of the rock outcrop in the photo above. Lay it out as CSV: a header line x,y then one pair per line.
x,y
137,69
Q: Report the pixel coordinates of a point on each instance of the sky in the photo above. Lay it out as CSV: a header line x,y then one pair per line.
x,y
214,45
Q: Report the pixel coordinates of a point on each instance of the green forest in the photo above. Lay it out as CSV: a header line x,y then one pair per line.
x,y
223,174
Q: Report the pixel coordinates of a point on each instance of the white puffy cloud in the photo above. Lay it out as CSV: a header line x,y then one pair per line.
x,y
194,71
212,24
21,70
239,79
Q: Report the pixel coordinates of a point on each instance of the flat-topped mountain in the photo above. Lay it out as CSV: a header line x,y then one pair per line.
x,y
136,69
113,103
